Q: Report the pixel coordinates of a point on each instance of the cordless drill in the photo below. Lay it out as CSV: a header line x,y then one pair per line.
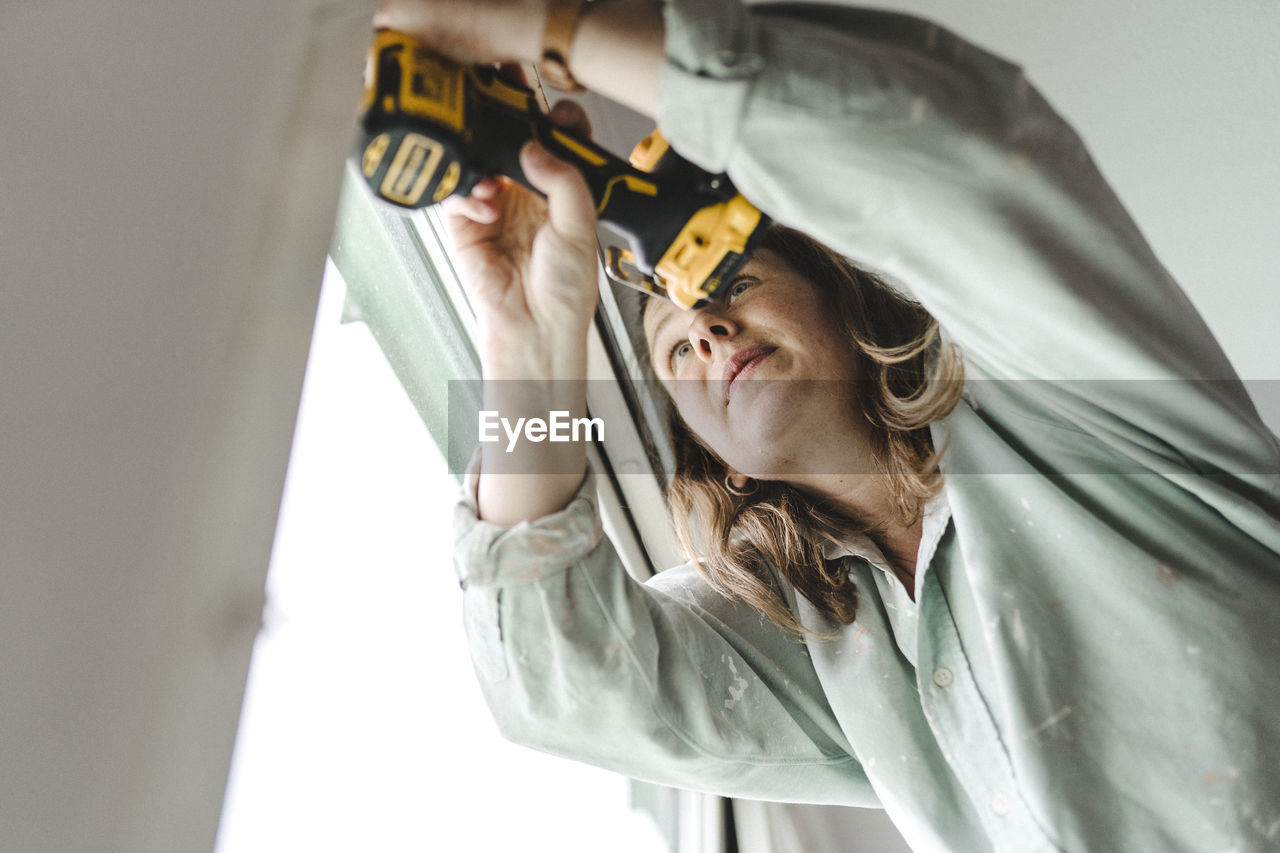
x,y
434,127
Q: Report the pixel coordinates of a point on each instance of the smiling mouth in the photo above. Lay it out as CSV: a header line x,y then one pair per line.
x,y
741,366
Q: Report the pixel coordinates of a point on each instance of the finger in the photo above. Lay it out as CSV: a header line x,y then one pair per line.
x,y
486,189
484,211
571,116
569,205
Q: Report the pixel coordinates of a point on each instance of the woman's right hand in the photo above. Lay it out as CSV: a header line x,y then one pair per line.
x,y
472,30
529,264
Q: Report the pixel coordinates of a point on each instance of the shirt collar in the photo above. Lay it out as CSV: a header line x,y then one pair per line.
x,y
937,514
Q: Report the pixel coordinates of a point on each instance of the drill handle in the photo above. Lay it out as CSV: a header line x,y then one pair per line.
x,y
640,206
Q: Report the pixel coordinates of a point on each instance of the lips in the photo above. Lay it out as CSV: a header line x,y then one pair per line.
x,y
742,363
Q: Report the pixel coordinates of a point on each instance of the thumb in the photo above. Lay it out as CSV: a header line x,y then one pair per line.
x,y
570,208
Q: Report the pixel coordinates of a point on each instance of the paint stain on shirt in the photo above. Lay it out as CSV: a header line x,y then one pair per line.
x,y
739,686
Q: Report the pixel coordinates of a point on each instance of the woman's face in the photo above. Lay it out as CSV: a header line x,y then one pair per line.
x,y
762,374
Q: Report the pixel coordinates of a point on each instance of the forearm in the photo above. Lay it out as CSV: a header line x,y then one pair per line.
x,y
617,49
618,52
520,479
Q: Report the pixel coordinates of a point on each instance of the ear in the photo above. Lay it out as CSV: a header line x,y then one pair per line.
x,y
739,480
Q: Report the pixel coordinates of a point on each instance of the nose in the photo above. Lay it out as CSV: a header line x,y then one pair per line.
x,y
710,330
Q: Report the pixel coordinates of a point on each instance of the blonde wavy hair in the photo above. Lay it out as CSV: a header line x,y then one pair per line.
x,y
748,546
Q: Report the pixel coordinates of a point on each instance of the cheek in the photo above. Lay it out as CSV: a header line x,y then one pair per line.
x,y
727,442
834,351
692,411
698,415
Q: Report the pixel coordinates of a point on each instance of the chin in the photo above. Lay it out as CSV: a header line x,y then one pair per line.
x,y
767,430
776,425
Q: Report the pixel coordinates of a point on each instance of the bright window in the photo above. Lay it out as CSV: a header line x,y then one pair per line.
x,y
363,727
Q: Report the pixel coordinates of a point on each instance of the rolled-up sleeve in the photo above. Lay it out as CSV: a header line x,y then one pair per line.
x,y
665,681
939,166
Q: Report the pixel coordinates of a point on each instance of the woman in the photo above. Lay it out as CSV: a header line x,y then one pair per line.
x,y
1065,640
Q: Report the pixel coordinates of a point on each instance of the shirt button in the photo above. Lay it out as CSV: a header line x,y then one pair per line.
x,y
732,60
943,677
1000,804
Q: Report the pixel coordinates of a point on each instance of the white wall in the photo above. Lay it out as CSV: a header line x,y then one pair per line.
x,y
1179,103
168,175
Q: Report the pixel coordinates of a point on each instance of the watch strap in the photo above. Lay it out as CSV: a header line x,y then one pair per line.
x,y
557,40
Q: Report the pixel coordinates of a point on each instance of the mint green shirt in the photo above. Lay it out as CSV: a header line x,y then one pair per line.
x,y
1094,660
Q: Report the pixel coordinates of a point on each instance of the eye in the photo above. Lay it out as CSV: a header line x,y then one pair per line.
x,y
737,288
678,351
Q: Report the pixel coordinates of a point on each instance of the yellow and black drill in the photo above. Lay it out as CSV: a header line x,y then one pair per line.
x,y
434,127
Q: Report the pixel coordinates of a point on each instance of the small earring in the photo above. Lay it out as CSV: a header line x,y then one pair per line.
x,y
742,493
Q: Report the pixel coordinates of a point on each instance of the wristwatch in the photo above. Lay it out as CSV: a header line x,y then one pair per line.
x,y
557,39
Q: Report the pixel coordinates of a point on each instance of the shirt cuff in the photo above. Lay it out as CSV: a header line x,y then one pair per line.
x,y
491,554
712,59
